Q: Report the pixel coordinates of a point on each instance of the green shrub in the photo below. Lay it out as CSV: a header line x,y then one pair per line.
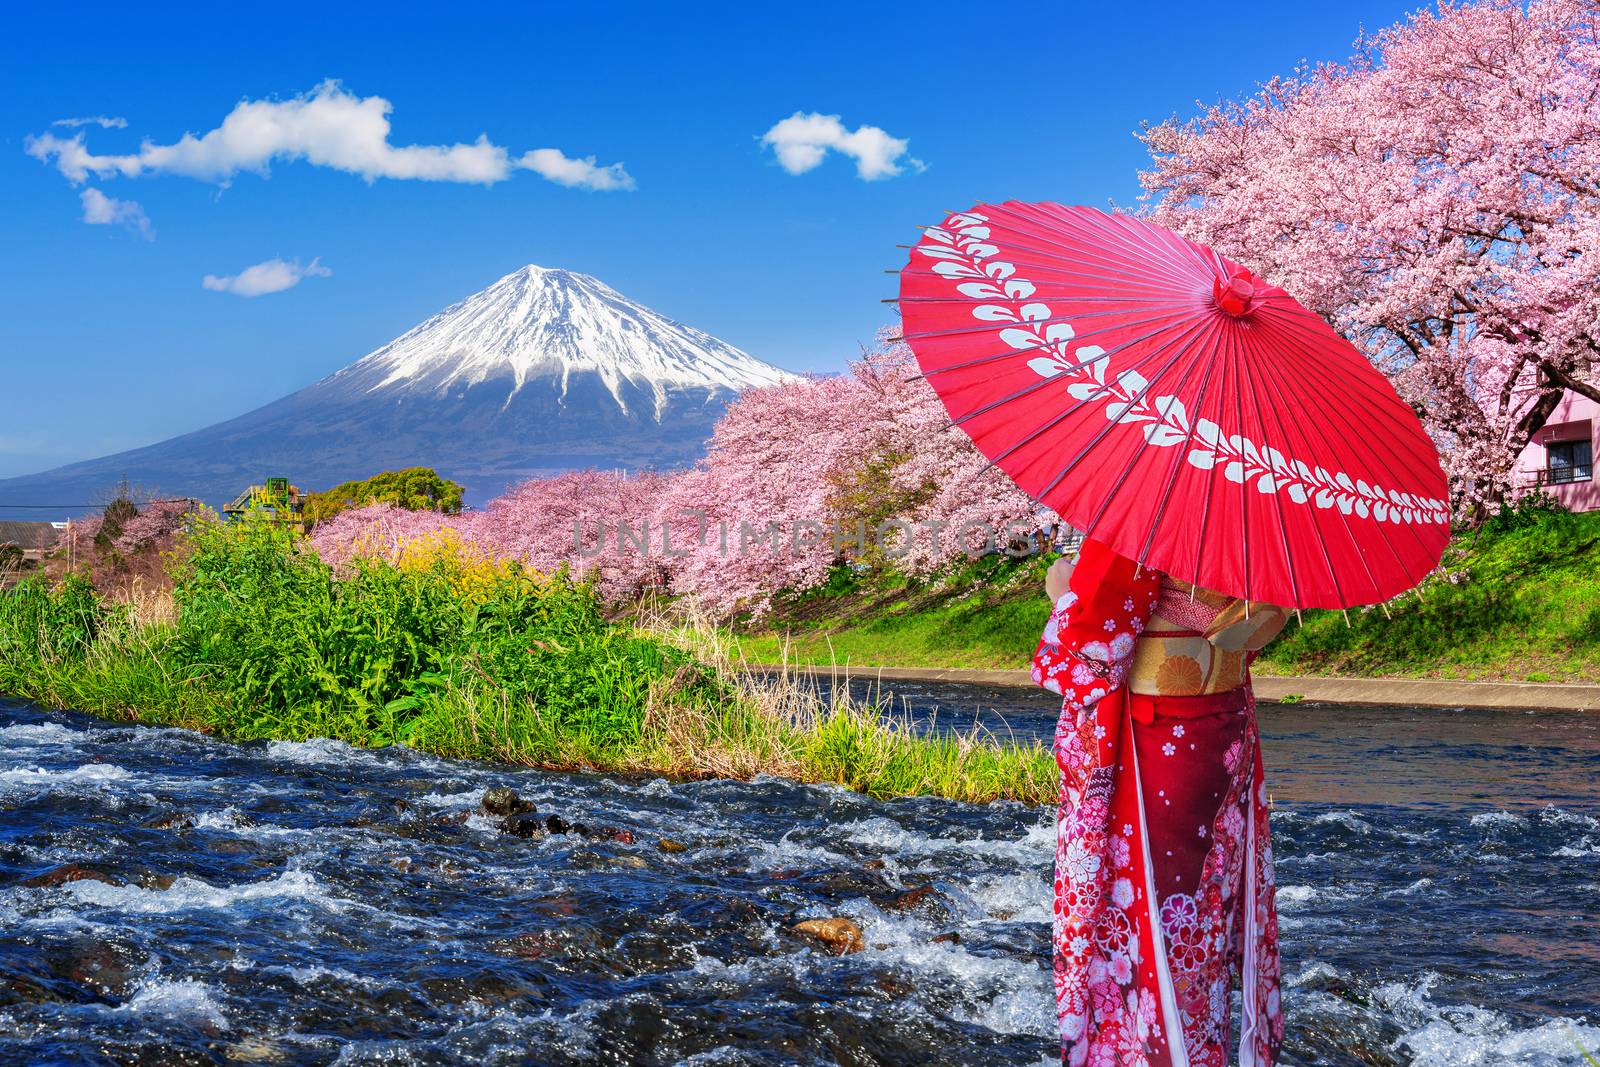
x,y
38,623
365,655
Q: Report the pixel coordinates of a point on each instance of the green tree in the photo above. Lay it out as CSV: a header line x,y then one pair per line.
x,y
414,488
118,512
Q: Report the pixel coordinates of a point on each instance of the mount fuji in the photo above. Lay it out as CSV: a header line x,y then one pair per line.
x,y
543,371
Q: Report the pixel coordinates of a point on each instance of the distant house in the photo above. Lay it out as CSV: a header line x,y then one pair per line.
x,y
34,538
1560,458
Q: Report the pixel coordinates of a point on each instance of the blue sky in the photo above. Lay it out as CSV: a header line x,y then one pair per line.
x,y
109,339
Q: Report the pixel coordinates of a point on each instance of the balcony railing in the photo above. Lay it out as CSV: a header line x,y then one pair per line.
x,y
1560,475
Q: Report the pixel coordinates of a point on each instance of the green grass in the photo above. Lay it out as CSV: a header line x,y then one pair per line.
x,y
988,613
1516,600
464,659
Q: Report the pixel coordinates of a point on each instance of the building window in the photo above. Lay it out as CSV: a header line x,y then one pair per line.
x,y
1569,461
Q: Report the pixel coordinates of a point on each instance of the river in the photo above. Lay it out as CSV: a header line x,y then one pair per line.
x,y
170,899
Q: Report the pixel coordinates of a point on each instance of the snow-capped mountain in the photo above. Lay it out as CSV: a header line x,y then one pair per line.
x,y
545,327
543,371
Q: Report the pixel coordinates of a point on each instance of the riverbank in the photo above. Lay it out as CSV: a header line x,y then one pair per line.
x,y
461,656
1517,601
1277,689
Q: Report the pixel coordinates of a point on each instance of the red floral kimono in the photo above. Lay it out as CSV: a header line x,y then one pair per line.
x,y
1164,880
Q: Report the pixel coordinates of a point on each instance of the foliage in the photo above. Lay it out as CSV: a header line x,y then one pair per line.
x,y
112,520
362,654
413,489
55,625
1516,599
1435,198
453,652
1532,509
987,613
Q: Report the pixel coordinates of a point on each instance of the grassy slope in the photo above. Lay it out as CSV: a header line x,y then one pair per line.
x,y
987,614
1524,605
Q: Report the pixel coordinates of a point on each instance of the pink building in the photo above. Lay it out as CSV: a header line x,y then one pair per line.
x,y
1560,458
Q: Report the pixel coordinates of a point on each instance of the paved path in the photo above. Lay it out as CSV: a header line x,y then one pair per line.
x,y
1416,692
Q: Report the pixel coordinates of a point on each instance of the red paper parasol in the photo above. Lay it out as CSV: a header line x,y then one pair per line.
x,y
1169,403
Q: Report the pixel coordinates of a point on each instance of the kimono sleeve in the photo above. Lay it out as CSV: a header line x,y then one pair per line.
x,y
1088,642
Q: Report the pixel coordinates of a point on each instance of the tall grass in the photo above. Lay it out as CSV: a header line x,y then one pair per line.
x,y
451,653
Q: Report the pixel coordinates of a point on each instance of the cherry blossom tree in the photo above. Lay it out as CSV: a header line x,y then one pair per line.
x,y
863,466
1437,200
955,502
756,511
378,531
600,523
155,523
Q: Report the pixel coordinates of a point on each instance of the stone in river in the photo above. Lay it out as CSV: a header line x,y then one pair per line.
x,y
626,860
525,825
839,934
667,844
503,801
172,820
529,946
69,872
20,989
102,967
256,1050
923,898
555,824
894,986
484,987
557,905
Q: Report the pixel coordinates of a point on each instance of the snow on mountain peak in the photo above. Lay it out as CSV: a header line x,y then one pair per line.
x,y
545,323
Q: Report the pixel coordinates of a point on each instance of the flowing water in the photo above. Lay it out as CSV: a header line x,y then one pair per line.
x,y
169,899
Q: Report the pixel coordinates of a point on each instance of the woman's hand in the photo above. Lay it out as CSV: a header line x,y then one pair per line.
x,y
1057,577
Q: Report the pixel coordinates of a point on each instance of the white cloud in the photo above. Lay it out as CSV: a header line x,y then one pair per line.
x,y
102,210
105,122
804,138
327,127
272,276
583,173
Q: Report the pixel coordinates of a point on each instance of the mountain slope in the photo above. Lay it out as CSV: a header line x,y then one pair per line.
x,y
545,370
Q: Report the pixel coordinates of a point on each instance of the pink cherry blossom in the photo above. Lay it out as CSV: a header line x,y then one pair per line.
x,y
1436,199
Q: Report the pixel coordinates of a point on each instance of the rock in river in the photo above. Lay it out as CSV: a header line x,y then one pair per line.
x,y
527,825
69,872
503,801
839,934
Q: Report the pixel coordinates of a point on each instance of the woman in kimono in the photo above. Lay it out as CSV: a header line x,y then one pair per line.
x,y
1164,880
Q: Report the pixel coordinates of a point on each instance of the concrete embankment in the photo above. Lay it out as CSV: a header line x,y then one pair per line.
x,y
1410,692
